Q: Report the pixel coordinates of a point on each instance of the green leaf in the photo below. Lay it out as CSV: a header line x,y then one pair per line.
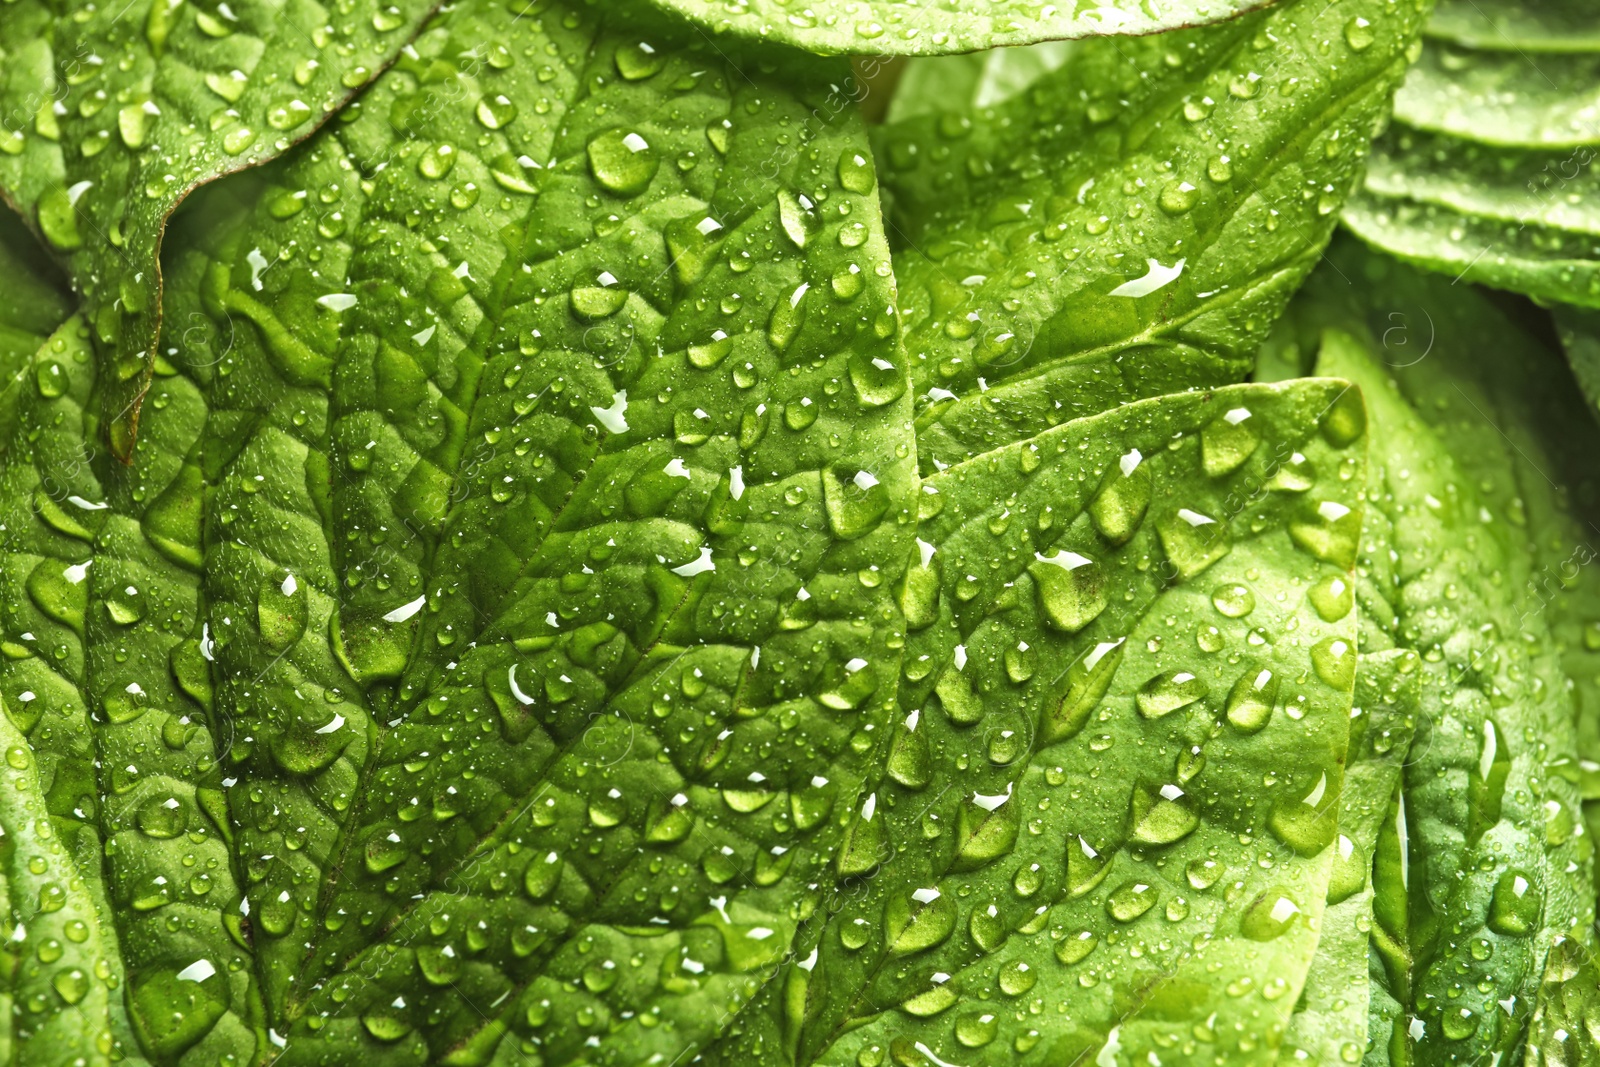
x,y
1133,223
1527,26
1487,172
553,543
61,1004
33,300
113,116
1085,803
1498,864
1580,339
94,666
1332,1023
931,85
899,27
1565,1031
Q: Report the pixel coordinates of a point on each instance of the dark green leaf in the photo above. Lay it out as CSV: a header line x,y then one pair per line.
x,y
113,114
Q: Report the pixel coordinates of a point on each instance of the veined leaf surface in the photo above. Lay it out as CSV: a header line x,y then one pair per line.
x,y
111,115
1112,630
1485,792
553,543
1134,222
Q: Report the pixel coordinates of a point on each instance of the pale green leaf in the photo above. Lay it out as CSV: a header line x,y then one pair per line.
x,y
1332,1024
1498,863
1133,223
1487,172
910,27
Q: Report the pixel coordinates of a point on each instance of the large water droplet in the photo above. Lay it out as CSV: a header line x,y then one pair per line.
x,y
1130,900
1251,700
1269,915
1228,441
1071,589
623,162
916,921
1169,692
1120,503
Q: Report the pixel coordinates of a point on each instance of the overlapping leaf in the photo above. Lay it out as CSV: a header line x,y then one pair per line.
x,y
1134,222
112,114
1499,863
552,542
920,27
1488,171
1086,845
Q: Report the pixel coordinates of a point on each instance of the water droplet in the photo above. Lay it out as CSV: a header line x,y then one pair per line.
x,y
1358,34
1233,600
1169,692
437,161
1071,589
162,817
1161,816
623,162
1086,684
917,921
986,927
1016,978
1130,900
1517,905
1076,947
1228,441
638,60
1252,698
853,500
1335,661
1086,866
1269,915
496,112
1193,541
977,1028
856,172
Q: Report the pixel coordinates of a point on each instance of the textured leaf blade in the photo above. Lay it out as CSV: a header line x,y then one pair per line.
x,y
1339,1003
1501,755
898,27
112,118
1519,25
1033,824
530,669
1133,223
1487,174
